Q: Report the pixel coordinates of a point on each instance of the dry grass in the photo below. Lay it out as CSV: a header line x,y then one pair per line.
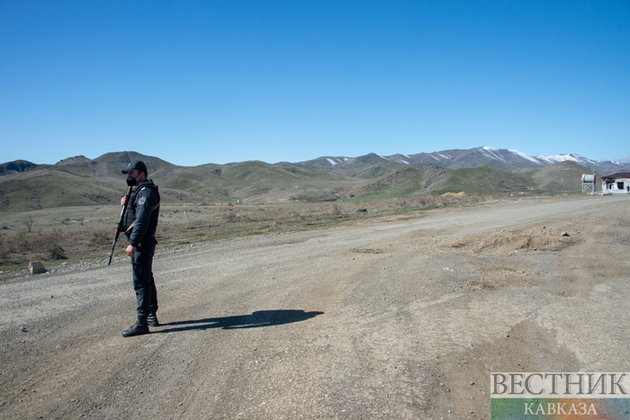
x,y
86,233
23,246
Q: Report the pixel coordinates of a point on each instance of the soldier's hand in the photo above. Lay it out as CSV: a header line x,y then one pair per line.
x,y
130,250
122,200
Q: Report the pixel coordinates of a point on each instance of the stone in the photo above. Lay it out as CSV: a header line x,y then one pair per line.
x,y
36,267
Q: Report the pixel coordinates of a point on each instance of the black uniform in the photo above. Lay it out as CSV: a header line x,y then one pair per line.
x,y
140,224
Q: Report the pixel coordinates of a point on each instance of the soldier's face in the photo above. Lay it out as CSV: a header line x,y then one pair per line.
x,y
137,175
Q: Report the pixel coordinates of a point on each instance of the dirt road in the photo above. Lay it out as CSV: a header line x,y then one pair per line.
x,y
402,319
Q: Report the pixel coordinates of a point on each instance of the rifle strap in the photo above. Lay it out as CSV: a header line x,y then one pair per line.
x,y
134,222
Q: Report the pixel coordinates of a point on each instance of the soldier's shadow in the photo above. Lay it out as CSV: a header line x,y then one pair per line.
x,y
255,320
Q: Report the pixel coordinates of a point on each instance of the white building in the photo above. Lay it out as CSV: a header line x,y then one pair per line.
x,y
618,183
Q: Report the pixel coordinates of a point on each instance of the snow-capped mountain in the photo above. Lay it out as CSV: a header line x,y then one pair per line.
x,y
602,166
504,159
550,160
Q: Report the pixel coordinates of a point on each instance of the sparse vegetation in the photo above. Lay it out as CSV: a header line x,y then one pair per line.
x,y
85,233
28,222
18,248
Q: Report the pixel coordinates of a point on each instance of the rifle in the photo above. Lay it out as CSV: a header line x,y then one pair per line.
x,y
119,228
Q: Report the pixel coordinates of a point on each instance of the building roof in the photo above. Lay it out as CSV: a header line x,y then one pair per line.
x,y
617,175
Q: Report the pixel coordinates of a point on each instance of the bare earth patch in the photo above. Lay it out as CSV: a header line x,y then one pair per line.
x,y
542,238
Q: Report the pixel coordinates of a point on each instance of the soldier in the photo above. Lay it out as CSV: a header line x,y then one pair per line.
x,y
140,222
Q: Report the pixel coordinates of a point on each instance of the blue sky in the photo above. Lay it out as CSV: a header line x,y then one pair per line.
x,y
196,82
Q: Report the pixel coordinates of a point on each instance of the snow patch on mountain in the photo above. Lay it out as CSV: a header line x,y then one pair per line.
x,y
491,152
524,156
550,160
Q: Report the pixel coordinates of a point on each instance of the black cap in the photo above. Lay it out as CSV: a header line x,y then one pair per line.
x,y
137,165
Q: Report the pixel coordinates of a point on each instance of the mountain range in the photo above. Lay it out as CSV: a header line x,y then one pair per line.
x,y
483,170
504,159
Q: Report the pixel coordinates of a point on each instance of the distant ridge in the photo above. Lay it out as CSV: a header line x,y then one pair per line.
x,y
80,181
75,160
504,159
17,166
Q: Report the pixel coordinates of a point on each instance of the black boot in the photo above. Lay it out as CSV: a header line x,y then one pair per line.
x,y
152,320
139,328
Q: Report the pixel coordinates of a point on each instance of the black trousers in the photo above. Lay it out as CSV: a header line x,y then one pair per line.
x,y
143,281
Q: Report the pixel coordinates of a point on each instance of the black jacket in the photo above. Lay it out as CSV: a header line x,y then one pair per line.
x,y
141,217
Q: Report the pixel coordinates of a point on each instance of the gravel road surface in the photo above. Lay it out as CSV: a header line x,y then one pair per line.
x,y
399,318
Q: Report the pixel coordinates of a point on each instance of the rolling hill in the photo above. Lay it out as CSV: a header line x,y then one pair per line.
x,y
79,181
